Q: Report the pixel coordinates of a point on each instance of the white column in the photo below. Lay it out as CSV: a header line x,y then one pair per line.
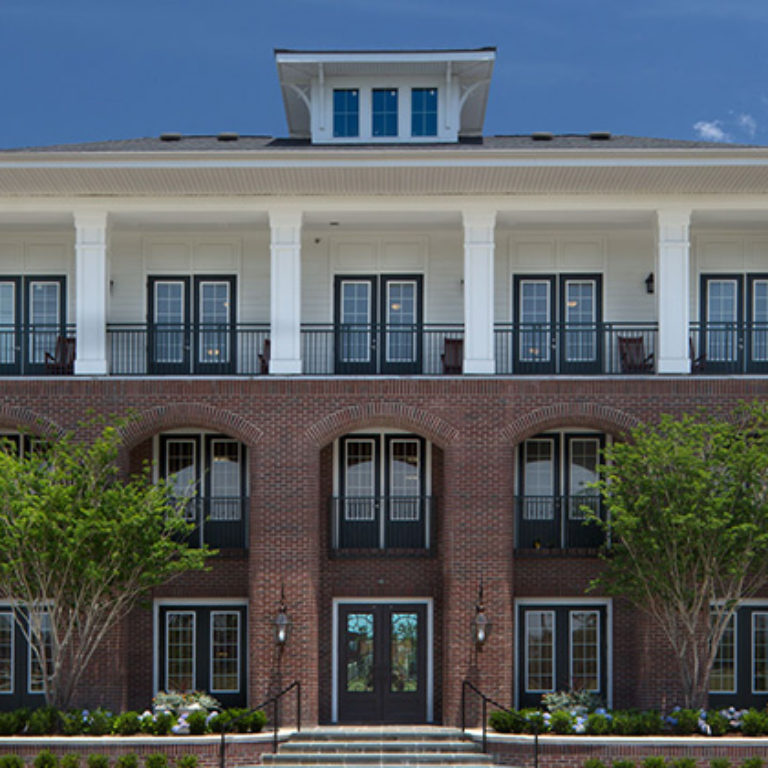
x,y
479,244
673,291
285,291
91,290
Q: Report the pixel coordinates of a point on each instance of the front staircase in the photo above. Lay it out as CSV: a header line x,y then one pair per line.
x,y
386,746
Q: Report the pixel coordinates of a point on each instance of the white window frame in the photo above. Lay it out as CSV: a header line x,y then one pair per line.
x,y
528,688
193,614
755,613
236,614
570,649
734,619
8,611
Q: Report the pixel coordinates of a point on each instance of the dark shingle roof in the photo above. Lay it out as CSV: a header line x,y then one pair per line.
x,y
255,143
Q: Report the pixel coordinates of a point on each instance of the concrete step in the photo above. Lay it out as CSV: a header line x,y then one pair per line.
x,y
376,758
379,733
378,745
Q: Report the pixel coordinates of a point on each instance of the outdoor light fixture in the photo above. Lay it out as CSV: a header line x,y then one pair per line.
x,y
650,284
481,624
282,622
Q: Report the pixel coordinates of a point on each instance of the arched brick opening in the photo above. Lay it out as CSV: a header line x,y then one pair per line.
x,y
25,419
588,415
382,414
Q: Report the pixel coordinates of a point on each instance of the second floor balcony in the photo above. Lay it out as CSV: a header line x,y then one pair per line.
x,y
558,522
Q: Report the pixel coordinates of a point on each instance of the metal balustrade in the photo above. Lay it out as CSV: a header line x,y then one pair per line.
x,y
582,348
382,522
221,522
558,522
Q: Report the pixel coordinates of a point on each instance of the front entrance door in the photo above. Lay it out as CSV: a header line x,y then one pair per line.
x,y
382,663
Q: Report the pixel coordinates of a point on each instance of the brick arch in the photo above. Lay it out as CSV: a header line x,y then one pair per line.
x,y
147,423
580,414
17,417
382,414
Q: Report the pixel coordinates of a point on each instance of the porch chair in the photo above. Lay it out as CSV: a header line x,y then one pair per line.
x,y
453,357
632,355
698,363
62,362
264,358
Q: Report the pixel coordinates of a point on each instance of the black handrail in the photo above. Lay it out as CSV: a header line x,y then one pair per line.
x,y
273,700
488,700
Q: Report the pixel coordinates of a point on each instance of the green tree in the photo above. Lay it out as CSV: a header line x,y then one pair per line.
x,y
79,544
688,527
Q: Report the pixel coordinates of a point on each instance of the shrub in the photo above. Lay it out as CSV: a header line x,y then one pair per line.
x,y
535,721
127,761
752,762
13,722
164,721
594,762
42,721
500,720
625,723
70,760
623,764
561,722
46,759
686,721
197,722
157,760
655,761
753,723
172,701
576,702
187,761
100,722
98,761
718,724
598,724
719,762
73,723
683,762
11,761
127,724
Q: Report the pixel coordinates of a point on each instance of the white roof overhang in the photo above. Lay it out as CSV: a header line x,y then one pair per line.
x,y
297,69
362,172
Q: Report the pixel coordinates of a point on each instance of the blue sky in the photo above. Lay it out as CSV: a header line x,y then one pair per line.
x,y
83,70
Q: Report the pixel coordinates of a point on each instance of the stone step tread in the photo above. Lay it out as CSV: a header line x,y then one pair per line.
x,y
367,733
351,763
389,758
381,745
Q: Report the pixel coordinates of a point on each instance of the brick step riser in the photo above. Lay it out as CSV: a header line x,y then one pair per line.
x,y
362,758
378,746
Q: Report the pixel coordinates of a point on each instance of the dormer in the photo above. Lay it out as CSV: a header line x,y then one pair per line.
x,y
385,97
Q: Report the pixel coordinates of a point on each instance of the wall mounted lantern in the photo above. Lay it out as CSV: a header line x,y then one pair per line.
x,y
282,621
481,624
650,283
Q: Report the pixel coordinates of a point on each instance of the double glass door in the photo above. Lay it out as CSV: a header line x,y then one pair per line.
x,y
191,325
556,497
558,324
382,663
378,324
32,320
734,323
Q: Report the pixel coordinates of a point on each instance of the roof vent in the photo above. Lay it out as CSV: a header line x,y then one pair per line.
x,y
170,137
542,136
600,135
228,136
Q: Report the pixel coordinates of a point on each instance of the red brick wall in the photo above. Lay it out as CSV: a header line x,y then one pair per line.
x,y
289,426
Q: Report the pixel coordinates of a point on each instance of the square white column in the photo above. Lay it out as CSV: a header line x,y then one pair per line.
x,y
285,291
673,291
479,244
91,292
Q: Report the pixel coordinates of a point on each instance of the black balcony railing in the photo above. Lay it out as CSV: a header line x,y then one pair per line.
x,y
371,348
382,522
33,350
221,522
558,522
138,349
583,348
730,348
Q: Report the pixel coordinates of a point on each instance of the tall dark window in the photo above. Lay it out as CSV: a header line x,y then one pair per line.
x,y
424,112
346,112
384,111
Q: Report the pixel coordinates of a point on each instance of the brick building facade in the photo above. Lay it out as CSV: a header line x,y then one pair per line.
x,y
385,354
